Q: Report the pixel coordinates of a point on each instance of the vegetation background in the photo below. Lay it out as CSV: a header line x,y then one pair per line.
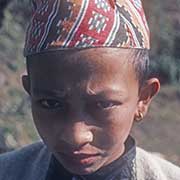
x,y
159,132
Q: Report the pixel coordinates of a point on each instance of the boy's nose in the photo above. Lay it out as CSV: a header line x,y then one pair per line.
x,y
77,134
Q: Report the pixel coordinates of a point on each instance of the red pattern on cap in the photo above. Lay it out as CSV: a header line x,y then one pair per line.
x,y
58,25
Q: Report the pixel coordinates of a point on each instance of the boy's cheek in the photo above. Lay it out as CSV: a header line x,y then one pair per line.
x,y
43,122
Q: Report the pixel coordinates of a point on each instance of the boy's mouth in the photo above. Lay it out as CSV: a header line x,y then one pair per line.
x,y
81,159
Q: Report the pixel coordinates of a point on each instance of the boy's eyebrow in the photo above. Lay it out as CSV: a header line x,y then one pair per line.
x,y
107,93
107,90
56,93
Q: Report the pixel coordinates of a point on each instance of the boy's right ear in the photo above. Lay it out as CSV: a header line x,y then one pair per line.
x,y
26,83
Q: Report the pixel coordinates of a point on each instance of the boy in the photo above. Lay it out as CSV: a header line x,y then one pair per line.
x,y
87,64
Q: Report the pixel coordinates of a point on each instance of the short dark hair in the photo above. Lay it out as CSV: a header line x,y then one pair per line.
x,y
142,65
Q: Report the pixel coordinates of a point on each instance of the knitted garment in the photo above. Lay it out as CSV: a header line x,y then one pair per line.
x,y
32,163
59,25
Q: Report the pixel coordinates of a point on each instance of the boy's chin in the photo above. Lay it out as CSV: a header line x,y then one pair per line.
x,y
82,168
82,171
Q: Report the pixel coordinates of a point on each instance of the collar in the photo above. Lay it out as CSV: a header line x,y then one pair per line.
x,y
122,168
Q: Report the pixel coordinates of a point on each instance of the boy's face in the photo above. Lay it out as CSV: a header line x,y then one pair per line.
x,y
84,103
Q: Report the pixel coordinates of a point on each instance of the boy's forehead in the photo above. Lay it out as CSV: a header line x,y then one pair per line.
x,y
87,68
83,56
81,65
78,24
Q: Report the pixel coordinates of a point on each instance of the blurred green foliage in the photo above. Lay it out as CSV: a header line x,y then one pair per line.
x,y
15,115
163,17
167,68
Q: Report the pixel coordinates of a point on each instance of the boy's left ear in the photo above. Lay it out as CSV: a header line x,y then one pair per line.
x,y
147,92
26,83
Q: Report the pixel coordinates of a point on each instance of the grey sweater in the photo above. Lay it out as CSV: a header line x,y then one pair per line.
x,y
32,163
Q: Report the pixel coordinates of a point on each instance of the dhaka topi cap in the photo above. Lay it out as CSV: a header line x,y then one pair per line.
x,y
67,24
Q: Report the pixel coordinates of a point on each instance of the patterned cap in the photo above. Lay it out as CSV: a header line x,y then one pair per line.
x,y
66,24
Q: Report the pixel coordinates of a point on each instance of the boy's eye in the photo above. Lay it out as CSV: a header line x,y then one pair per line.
x,y
50,104
105,104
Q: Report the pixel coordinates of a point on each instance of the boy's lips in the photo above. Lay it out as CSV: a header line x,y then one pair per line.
x,y
80,158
